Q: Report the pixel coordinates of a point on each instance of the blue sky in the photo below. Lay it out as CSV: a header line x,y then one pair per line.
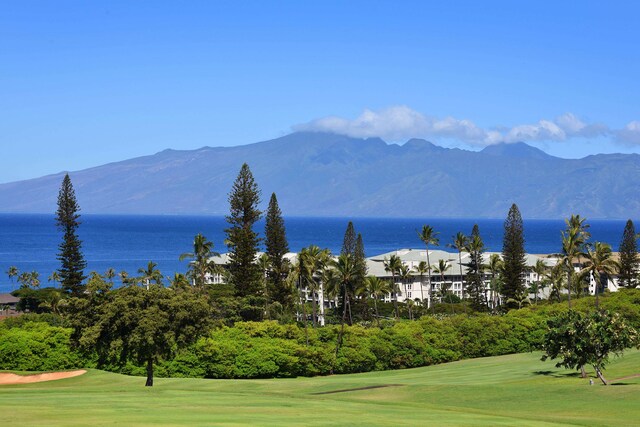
x,y
86,83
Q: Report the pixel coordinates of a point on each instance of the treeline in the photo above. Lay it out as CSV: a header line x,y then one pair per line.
x,y
197,326
270,349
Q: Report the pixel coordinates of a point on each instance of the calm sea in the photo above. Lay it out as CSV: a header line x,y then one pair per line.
x,y
127,242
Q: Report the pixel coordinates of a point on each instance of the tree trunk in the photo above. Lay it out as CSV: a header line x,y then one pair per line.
x,y
395,295
314,309
569,285
583,373
599,374
375,305
344,317
149,382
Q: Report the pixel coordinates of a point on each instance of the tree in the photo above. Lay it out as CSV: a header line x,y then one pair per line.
x,y
513,256
149,275
628,276
12,272
347,274
475,275
494,267
460,243
600,265
242,241
573,240
277,247
441,269
422,268
72,263
202,266
428,236
539,269
578,340
374,287
392,265
142,325
349,240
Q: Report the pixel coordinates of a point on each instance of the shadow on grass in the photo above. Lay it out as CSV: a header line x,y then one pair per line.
x,y
557,374
370,387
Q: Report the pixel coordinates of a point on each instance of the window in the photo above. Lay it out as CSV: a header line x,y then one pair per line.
x,y
409,294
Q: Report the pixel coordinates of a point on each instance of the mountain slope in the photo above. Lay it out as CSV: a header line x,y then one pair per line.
x,y
335,175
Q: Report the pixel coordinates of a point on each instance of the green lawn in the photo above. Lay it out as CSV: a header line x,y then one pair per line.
x,y
507,390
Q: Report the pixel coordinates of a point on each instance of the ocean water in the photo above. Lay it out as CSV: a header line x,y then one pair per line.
x,y
129,242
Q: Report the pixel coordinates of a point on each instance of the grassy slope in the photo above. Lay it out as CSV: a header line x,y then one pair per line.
x,y
506,390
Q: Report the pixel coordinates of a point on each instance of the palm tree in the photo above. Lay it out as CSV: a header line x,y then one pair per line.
x,y
110,274
540,269
441,269
392,265
150,274
520,301
556,277
428,237
202,264
179,281
422,268
494,267
12,272
573,240
600,263
460,243
348,273
374,287
54,277
310,260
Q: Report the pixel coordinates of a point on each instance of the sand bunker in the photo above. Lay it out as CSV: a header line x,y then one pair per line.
x,y
6,378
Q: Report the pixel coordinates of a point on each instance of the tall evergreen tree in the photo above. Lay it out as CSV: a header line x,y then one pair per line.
x,y
513,256
475,274
628,275
277,246
242,241
72,263
349,241
360,258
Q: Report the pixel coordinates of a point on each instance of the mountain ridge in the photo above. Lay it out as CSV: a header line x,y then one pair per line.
x,y
322,174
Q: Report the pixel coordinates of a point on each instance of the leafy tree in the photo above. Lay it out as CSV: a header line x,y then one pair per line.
x,y
600,265
72,263
142,325
277,247
202,266
475,275
513,256
242,241
540,269
628,276
347,273
578,340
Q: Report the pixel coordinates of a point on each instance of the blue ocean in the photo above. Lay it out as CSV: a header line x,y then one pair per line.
x,y
129,242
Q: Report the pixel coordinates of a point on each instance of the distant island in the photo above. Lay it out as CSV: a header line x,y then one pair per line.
x,y
323,174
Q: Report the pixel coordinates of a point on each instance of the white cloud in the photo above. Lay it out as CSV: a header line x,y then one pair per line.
x,y
630,134
401,122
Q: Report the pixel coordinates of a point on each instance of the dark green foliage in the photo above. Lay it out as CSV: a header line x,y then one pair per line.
x,y
72,263
277,247
475,276
628,275
37,346
135,324
349,241
578,339
513,258
45,300
242,241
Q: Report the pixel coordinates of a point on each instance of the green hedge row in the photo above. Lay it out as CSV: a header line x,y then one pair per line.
x,y
269,349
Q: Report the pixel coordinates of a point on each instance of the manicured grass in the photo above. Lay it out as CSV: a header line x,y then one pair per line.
x,y
506,390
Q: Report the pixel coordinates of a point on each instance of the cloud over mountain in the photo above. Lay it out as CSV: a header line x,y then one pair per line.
x,y
401,122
